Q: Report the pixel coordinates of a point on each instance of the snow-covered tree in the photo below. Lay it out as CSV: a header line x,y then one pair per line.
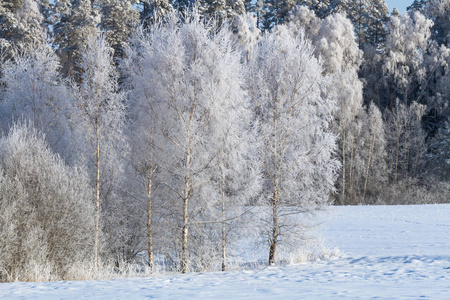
x,y
276,12
438,156
21,24
406,45
222,10
100,120
183,5
378,17
75,22
374,153
34,91
257,9
321,8
237,178
152,10
119,18
191,120
298,165
368,18
438,11
46,211
335,44
406,141
246,33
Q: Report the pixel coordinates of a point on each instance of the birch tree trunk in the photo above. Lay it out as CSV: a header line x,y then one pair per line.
x,y
184,232
224,241
369,160
275,229
97,187
149,218
343,168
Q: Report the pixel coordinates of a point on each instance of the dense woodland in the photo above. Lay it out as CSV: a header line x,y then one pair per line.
x,y
161,134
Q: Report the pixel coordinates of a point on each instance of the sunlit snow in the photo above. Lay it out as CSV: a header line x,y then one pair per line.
x,y
386,252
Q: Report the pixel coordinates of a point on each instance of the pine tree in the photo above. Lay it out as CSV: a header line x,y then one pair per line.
x,y
184,5
21,24
76,22
276,12
152,10
320,7
257,8
378,18
118,19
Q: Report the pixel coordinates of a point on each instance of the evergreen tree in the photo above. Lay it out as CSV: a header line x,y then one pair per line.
x,y
276,12
21,24
378,18
118,19
257,8
152,10
76,22
320,7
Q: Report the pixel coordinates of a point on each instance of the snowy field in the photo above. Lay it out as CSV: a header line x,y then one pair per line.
x,y
387,252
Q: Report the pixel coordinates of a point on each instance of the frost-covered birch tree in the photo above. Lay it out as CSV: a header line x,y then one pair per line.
x,y
406,45
374,153
298,165
100,121
34,91
406,141
335,44
193,115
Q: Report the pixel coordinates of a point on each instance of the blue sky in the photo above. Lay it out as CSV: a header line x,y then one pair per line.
x,y
400,4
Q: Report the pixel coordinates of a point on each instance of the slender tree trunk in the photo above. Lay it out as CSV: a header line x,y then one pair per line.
x,y
416,164
97,202
184,237
184,232
275,229
224,241
369,160
397,153
352,165
343,168
149,220
359,24
391,93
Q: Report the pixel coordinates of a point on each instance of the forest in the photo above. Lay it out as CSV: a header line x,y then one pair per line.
x,y
161,134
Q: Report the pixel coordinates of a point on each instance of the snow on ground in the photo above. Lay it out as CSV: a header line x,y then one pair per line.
x,y
387,252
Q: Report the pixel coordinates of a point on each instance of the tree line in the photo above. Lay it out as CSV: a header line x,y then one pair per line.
x,y
174,141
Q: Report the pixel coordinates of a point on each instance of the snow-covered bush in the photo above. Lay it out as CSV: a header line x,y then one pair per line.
x,y
46,210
